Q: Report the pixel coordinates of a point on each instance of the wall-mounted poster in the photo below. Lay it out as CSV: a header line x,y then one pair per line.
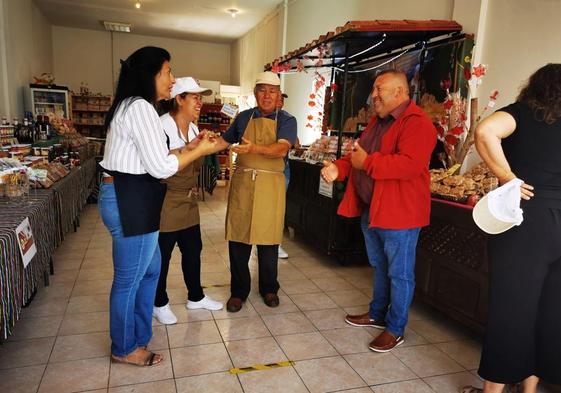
x,y
26,242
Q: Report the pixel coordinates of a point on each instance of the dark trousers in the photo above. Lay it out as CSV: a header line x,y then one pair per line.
x,y
268,269
190,244
522,334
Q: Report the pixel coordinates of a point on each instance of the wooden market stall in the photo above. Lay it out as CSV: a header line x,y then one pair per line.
x,y
451,264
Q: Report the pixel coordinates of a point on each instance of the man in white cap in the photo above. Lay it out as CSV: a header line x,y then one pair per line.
x,y
256,202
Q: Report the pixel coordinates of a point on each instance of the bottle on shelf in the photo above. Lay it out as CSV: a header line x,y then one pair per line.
x,y
47,127
31,130
40,130
17,128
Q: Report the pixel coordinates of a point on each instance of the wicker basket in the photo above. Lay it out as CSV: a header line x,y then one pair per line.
x,y
17,189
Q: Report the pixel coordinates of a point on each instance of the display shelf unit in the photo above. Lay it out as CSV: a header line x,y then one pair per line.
x,y
211,119
88,114
47,99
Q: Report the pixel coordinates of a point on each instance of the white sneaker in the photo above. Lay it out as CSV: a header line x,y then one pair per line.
x,y
205,303
164,315
282,254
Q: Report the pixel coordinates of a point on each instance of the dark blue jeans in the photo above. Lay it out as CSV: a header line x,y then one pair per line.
x,y
136,262
392,253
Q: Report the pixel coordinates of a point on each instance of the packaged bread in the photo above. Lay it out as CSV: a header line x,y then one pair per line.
x,y
453,180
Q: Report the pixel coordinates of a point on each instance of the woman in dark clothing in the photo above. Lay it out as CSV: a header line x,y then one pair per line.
x,y
522,140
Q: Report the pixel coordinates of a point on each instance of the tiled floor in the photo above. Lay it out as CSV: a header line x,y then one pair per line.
x,y
62,342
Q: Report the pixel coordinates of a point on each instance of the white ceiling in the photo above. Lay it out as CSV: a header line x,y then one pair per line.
x,y
202,20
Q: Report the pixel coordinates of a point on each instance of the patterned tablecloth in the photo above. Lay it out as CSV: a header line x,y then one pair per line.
x,y
52,213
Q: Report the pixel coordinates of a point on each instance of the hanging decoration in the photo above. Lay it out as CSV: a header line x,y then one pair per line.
x,y
316,99
279,68
452,127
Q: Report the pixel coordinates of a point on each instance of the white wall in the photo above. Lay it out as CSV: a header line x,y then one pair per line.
x,y
521,36
28,45
258,47
188,58
92,57
235,63
82,56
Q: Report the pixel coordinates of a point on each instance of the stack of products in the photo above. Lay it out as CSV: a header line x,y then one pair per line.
x,y
467,188
325,148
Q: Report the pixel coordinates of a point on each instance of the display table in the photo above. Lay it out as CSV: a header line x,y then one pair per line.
x,y
452,266
314,216
52,213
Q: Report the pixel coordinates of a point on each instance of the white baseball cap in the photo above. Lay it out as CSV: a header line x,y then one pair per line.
x,y
267,78
499,210
188,85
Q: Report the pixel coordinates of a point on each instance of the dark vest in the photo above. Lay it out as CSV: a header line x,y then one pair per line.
x,y
139,199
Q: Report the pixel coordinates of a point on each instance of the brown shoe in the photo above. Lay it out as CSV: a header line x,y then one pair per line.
x,y
385,342
234,304
271,299
364,320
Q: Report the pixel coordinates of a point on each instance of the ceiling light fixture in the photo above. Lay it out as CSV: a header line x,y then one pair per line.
x,y
137,4
117,26
233,12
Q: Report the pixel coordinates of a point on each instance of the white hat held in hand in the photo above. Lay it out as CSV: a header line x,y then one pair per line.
x,y
188,85
267,78
499,210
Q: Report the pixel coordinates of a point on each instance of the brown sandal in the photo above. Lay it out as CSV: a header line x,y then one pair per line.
x,y
141,362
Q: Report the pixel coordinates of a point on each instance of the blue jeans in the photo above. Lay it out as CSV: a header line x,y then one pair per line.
x,y
392,253
136,262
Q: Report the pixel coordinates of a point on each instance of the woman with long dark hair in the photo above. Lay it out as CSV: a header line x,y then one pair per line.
x,y
522,140
136,158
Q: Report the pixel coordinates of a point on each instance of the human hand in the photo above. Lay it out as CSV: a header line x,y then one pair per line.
x,y
195,142
358,156
526,191
329,172
244,148
206,145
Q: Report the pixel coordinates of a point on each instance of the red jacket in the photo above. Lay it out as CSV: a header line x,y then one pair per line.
x,y
401,196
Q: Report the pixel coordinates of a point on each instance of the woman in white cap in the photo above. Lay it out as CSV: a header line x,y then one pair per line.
x,y
521,141
179,221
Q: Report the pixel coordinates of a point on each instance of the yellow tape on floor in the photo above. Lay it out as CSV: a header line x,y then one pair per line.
x,y
216,286
259,367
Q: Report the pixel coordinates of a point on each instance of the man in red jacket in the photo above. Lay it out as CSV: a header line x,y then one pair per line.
x,y
389,188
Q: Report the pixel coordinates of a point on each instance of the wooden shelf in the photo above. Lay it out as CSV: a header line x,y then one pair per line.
x,y
211,124
89,110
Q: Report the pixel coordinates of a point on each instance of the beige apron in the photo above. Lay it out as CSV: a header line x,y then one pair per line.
x,y
256,201
180,209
